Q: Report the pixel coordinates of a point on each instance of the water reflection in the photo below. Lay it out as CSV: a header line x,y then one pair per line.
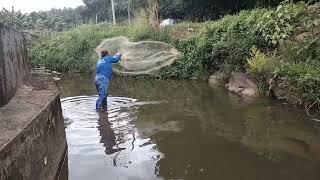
x,y
108,144
108,137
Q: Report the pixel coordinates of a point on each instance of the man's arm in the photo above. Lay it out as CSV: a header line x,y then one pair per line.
x,y
116,58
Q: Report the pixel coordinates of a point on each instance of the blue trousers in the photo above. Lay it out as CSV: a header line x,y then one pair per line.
x,y
102,84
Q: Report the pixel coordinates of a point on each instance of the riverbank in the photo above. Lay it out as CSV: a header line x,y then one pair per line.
x,y
278,47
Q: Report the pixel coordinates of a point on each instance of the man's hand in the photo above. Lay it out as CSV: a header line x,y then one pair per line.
x,y
118,54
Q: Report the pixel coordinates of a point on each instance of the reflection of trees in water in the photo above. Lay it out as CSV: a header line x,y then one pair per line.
x,y
70,86
262,126
256,123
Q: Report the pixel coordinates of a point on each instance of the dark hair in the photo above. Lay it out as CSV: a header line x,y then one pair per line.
x,y
104,53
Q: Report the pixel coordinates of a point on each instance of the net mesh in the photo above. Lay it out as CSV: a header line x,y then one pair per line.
x,y
138,58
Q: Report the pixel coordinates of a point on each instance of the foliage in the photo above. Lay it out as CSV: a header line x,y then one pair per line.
x,y
53,20
72,51
258,62
289,18
201,10
99,11
223,45
195,10
302,83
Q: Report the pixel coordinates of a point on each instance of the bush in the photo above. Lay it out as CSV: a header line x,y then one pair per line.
x,y
223,45
189,65
73,51
289,19
258,62
302,83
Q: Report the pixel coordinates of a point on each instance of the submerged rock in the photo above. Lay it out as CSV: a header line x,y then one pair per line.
x,y
242,84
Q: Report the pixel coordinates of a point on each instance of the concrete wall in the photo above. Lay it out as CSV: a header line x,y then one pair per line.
x,y
14,66
32,137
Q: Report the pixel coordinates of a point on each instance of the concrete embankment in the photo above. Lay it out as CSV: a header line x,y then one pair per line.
x,y
32,131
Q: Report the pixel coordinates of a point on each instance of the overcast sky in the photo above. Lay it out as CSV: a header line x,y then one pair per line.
x,y
27,6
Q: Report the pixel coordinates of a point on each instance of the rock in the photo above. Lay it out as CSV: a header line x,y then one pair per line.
x,y
56,73
306,35
242,84
280,89
56,78
217,79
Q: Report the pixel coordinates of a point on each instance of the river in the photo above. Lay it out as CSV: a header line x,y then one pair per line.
x,y
186,130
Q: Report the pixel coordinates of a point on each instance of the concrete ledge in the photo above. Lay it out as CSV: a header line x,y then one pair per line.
x,y
32,135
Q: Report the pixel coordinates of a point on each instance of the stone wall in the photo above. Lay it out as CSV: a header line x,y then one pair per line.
x,y
14,66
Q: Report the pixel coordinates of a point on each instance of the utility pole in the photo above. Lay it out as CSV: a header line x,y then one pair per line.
x,y
113,12
129,13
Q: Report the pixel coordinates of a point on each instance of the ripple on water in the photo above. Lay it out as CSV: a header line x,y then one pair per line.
x,y
107,144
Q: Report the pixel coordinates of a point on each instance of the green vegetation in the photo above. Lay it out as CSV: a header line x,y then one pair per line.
x,y
294,30
72,51
53,20
99,11
280,47
222,45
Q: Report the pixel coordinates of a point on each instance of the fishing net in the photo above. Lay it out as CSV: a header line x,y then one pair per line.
x,y
138,58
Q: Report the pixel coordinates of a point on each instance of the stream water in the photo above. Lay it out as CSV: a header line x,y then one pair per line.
x,y
157,129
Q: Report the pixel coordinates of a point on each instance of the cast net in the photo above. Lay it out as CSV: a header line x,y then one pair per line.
x,y
138,58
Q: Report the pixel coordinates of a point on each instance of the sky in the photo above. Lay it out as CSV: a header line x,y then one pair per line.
x,y
27,6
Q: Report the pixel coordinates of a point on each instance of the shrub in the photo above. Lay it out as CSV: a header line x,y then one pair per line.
x,y
258,62
223,46
72,51
288,19
302,83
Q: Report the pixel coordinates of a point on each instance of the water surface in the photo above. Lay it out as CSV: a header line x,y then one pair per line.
x,y
157,129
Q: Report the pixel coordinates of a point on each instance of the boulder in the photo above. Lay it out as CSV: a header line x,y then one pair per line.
x,y
280,88
217,79
306,35
242,84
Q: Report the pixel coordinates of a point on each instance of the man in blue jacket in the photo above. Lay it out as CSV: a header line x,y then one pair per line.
x,y
103,77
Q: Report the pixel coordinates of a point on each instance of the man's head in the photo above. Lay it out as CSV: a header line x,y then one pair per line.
x,y
104,53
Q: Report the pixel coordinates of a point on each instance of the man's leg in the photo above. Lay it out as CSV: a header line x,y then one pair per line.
x,y
105,101
102,93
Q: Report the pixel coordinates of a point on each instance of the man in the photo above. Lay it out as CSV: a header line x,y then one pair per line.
x,y
103,77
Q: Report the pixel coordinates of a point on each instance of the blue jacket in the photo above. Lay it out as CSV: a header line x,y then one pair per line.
x,y
104,66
